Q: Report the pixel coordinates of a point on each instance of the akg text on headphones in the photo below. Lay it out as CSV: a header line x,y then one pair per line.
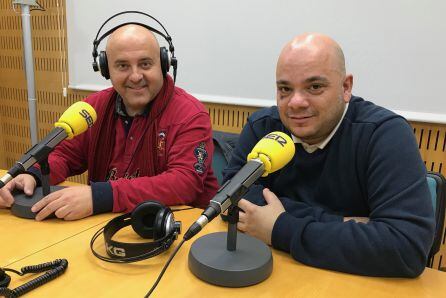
x,y
166,61
150,220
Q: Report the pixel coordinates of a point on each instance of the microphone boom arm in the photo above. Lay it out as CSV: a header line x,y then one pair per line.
x,y
235,190
35,154
229,193
74,121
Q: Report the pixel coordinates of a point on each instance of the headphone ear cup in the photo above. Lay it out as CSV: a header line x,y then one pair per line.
x,y
144,218
160,227
103,65
165,61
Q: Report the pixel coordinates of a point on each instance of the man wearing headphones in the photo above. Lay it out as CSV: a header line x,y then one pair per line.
x,y
151,141
354,198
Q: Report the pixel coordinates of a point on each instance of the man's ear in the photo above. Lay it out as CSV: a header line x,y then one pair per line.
x,y
347,86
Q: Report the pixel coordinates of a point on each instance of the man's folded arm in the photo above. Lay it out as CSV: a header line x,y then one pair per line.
x,y
398,236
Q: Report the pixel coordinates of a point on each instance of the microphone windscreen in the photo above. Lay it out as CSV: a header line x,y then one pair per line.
x,y
274,150
77,118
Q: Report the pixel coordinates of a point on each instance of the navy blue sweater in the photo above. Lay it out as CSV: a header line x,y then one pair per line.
x,y
370,168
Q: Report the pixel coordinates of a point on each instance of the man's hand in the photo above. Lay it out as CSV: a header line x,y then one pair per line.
x,y
24,182
258,221
70,203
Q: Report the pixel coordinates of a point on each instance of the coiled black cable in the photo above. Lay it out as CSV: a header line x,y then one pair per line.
x,y
52,270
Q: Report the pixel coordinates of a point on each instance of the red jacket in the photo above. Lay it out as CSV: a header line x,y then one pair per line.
x,y
184,150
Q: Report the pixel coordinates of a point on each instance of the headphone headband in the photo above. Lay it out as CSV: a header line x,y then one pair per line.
x,y
127,12
120,250
96,42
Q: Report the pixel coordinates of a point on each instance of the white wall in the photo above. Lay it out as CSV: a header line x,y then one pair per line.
x,y
227,50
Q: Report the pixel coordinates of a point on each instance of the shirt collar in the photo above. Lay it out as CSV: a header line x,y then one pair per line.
x,y
321,145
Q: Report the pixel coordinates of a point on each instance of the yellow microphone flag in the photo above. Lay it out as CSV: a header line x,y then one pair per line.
x,y
274,150
77,118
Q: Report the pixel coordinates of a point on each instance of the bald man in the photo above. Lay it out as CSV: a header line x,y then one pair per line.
x,y
354,198
151,141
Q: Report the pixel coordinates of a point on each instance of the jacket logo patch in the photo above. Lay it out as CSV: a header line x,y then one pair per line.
x,y
112,175
161,143
132,176
200,154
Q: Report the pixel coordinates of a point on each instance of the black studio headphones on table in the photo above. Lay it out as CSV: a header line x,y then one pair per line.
x,y
166,61
150,220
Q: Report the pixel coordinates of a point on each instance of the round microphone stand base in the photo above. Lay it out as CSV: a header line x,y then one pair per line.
x,y
23,203
211,261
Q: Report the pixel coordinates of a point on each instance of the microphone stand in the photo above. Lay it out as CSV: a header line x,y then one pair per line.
x,y
230,259
231,242
45,169
23,203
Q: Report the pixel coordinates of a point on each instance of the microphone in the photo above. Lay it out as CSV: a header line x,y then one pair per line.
x,y
74,121
270,154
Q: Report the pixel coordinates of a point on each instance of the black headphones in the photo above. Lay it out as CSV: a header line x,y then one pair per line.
x,y
150,220
166,62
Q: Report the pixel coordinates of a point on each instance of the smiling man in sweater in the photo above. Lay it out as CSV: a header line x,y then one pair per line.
x,y
354,198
